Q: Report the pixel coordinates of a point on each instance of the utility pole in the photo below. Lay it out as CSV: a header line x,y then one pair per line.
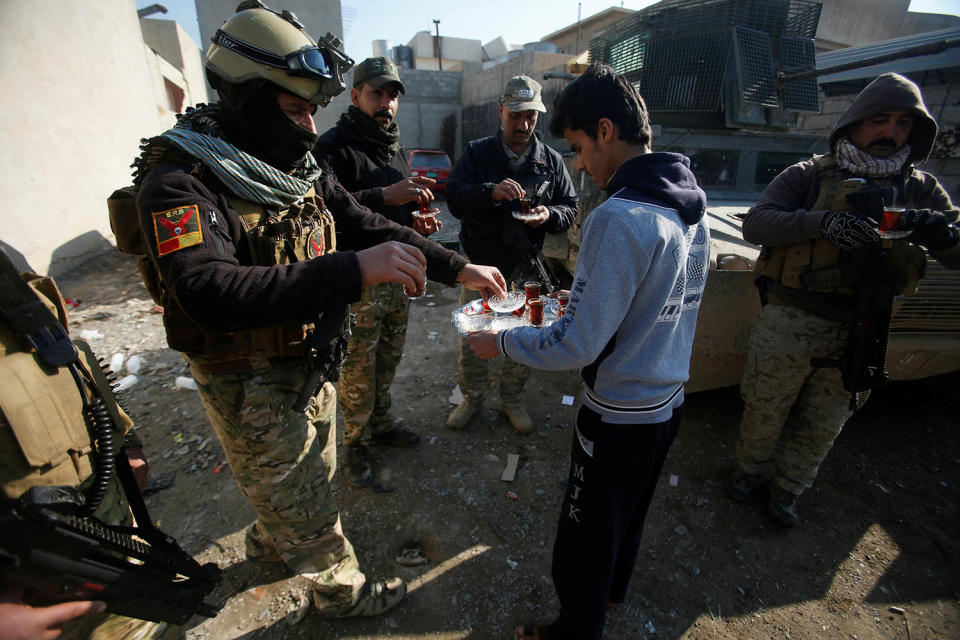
x,y
578,28
436,47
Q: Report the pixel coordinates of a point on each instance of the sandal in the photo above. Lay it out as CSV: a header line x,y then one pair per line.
x,y
532,632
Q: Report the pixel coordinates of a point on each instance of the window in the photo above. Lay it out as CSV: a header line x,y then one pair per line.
x,y
714,168
175,96
771,163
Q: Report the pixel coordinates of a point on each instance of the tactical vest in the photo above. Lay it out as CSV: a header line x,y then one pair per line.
x,y
817,266
43,436
300,232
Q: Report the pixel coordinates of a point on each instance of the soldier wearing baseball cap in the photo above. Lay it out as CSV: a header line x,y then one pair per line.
x,y
484,191
364,151
377,72
522,94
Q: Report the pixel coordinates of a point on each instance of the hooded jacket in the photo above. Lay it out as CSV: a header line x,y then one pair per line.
x,y
637,289
360,169
783,214
891,92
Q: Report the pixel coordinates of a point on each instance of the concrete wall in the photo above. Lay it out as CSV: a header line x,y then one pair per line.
x,y
431,97
848,23
72,127
318,16
172,44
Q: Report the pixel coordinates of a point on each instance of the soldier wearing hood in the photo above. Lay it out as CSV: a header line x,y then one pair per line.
x,y
809,230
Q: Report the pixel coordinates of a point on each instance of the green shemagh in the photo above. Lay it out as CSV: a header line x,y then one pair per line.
x,y
198,134
385,139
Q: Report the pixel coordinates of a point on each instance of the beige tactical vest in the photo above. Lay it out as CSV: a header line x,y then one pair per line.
x,y
300,232
43,435
818,266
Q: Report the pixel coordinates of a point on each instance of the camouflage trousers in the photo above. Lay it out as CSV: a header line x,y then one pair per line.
x,y
792,411
472,372
283,463
376,345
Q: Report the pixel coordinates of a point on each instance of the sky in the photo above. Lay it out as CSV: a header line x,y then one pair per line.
x,y
518,22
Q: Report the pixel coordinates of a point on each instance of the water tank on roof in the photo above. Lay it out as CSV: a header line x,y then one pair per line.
x,y
546,47
516,53
382,48
403,56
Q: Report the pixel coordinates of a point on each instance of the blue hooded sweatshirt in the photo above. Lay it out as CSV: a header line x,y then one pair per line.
x,y
636,291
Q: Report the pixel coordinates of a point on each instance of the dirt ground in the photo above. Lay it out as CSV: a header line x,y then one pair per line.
x,y
876,554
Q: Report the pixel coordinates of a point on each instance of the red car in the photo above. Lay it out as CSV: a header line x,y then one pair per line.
x,y
430,163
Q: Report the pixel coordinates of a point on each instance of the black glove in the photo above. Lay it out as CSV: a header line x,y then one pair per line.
x,y
847,230
932,229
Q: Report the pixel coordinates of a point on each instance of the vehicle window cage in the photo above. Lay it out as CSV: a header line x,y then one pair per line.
x,y
676,52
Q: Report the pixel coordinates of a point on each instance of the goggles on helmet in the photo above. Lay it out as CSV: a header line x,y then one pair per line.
x,y
309,62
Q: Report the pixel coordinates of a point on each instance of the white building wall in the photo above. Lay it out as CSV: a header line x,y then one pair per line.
x,y
72,123
173,44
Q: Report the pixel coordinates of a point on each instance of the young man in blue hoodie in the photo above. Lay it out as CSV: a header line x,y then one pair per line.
x,y
629,327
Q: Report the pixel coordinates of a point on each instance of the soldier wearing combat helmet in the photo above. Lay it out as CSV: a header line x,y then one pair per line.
x,y
256,247
811,230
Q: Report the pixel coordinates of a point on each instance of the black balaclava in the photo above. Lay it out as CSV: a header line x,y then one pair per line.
x,y
254,122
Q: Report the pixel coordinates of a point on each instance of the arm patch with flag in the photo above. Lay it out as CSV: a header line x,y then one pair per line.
x,y
177,229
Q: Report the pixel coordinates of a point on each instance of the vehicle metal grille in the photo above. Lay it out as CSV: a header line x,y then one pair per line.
x,y
797,54
935,308
689,73
676,52
755,67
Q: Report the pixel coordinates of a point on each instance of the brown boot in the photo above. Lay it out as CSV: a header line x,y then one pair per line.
x,y
519,418
460,416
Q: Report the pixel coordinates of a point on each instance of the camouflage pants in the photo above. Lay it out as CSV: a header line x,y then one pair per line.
x,y
376,346
792,411
472,372
283,463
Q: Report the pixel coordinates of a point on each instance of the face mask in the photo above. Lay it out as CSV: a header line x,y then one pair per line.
x,y
253,121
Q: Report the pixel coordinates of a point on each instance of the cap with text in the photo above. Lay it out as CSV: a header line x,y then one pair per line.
x,y
522,94
377,72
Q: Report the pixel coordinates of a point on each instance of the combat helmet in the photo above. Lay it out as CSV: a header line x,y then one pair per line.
x,y
258,43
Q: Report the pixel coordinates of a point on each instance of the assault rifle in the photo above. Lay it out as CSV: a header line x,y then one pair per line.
x,y
514,235
870,269
56,555
327,352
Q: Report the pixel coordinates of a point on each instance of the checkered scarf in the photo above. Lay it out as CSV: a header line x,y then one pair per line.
x,y
861,163
197,134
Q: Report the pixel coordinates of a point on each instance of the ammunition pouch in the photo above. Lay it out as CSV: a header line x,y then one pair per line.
x,y
44,439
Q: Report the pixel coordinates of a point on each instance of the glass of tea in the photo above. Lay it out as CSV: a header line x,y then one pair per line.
x,y
563,297
531,289
536,310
